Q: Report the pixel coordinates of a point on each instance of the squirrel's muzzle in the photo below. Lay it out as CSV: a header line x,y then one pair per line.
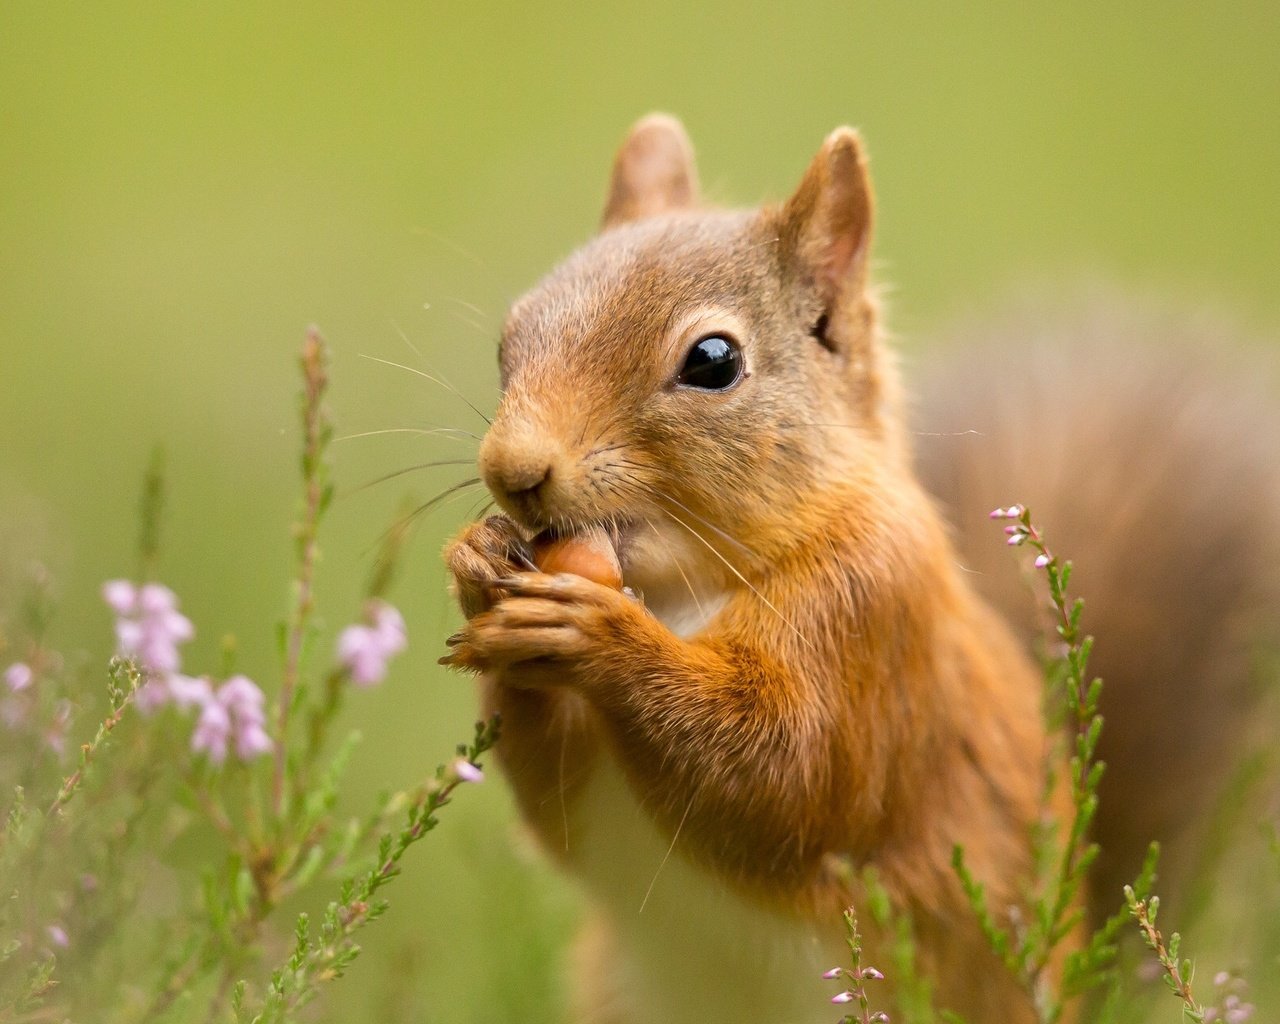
x,y
523,467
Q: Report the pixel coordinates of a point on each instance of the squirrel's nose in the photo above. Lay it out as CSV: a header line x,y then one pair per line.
x,y
521,480
515,467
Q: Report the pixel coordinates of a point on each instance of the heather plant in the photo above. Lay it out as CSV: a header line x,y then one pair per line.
x,y
197,810
1030,946
1062,852
856,977
1062,857
172,848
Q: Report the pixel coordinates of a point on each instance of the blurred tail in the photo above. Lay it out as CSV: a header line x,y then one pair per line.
x,y
1149,452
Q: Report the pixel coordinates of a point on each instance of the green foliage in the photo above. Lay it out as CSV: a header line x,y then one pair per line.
x,y
1178,973
84,854
913,991
856,977
1061,860
1055,896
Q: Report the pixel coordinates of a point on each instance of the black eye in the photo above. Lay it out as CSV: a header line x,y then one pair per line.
x,y
713,364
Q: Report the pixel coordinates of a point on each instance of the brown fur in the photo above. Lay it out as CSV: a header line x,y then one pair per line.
x,y
1154,463
848,694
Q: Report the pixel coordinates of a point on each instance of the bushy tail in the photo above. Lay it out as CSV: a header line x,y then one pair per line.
x,y
1147,446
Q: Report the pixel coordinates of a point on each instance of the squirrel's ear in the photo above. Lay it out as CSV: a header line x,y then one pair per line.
x,y
826,225
652,173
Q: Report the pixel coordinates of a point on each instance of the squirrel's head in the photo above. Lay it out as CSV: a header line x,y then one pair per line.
x,y
695,371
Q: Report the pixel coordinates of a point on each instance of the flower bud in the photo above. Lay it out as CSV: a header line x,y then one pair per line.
x,y
463,770
18,676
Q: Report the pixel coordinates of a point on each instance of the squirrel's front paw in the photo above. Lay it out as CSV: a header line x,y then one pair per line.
x,y
482,554
550,629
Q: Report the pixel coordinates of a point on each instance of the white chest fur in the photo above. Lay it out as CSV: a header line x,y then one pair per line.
x,y
685,948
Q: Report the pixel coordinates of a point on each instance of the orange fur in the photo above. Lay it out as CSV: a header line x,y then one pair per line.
x,y
809,676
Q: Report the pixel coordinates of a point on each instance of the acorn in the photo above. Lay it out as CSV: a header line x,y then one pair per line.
x,y
589,554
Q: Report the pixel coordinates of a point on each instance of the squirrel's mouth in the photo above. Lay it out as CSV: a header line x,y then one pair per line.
x,y
617,531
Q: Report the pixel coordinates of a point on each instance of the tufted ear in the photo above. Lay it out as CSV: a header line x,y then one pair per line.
x,y
653,172
826,226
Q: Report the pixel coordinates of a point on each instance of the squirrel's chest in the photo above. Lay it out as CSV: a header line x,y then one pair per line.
x,y
676,945
672,943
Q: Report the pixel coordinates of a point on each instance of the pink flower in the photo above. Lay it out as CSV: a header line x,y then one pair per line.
x,y
152,695
233,714
241,694
364,650
251,741
835,972
1012,512
18,676
872,974
244,703
843,997
213,730
185,691
464,771
121,596
388,623
58,936
1041,561
156,599
149,629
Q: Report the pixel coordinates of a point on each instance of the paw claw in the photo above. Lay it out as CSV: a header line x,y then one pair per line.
x,y
520,556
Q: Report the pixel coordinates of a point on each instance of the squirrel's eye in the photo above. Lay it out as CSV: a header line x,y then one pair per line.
x,y
714,363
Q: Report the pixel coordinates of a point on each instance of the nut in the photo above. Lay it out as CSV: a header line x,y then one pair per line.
x,y
589,554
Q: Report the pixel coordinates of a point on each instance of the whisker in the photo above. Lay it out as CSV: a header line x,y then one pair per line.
x,y
859,426
710,526
431,503
680,569
454,433
475,325
666,856
480,511
838,426
434,379
412,469
426,506
605,450
446,240
747,583
405,338
471,306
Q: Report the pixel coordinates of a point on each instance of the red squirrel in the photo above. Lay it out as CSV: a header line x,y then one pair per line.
x,y
799,672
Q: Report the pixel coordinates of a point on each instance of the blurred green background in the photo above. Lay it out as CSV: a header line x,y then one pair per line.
x,y
184,187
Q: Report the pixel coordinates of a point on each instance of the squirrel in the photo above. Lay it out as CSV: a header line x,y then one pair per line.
x,y
801,672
